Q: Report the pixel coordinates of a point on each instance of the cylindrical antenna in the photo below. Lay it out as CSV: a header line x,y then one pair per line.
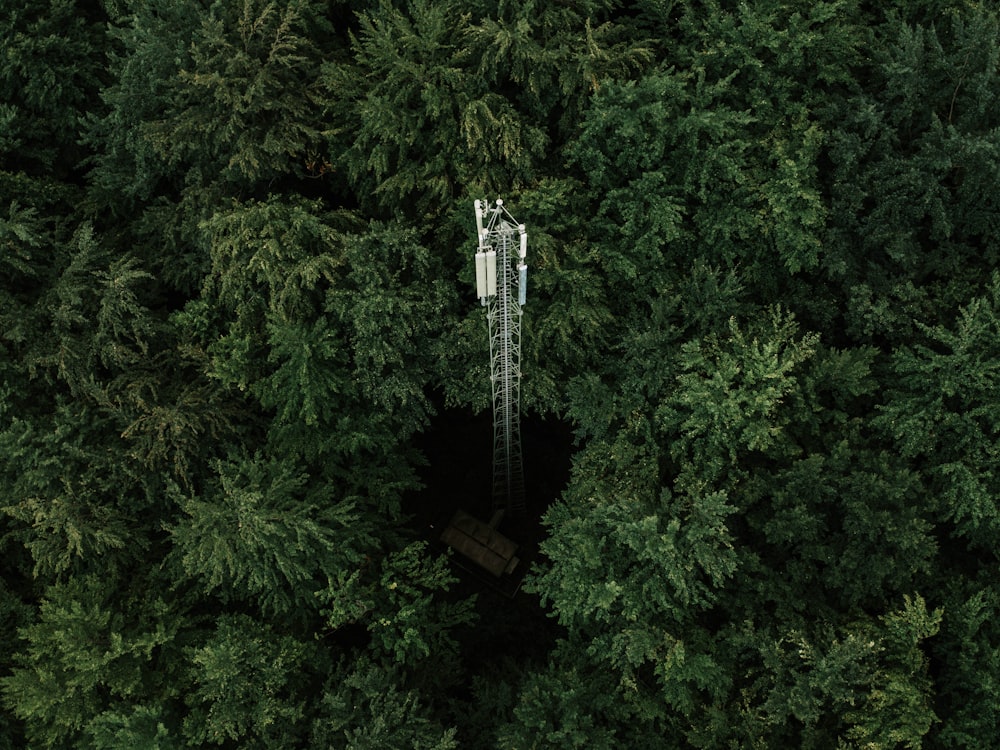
x,y
481,288
491,273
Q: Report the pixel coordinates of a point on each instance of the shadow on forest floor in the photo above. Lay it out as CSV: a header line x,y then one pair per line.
x,y
458,449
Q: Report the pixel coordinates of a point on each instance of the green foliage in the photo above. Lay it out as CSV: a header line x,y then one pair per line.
x,y
22,232
148,45
969,648
242,105
247,682
573,705
398,106
572,314
304,386
13,615
93,649
390,303
235,278
441,97
264,531
647,573
141,728
556,55
907,199
942,414
729,397
862,685
398,604
271,255
49,73
64,529
89,318
74,506
850,522
718,147
898,703
368,710
171,417
323,324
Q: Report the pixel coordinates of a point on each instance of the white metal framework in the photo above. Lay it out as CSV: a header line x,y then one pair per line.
x,y
501,284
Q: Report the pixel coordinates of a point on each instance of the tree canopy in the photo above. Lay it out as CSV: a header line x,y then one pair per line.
x,y
236,303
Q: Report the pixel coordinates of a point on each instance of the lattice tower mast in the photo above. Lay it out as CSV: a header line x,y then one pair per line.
x,y
501,284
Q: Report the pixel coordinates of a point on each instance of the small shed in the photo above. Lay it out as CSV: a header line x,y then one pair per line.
x,y
481,543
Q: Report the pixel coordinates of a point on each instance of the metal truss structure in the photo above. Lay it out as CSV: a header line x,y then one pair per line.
x,y
501,284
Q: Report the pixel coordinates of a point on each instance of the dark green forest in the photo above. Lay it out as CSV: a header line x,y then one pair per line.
x,y
242,366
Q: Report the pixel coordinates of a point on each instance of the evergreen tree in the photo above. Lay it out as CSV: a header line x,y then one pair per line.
x,y
100,654
52,67
910,156
247,684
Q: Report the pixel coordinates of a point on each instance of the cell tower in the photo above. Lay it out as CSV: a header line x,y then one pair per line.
x,y
501,284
